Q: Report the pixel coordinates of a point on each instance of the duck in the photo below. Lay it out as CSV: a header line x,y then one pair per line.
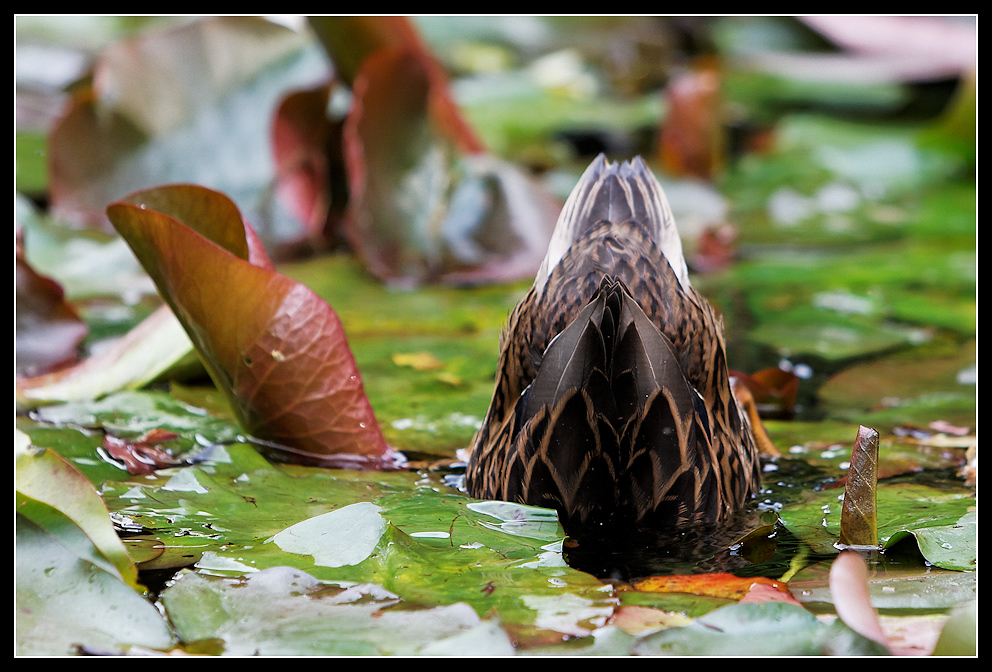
x,y
613,402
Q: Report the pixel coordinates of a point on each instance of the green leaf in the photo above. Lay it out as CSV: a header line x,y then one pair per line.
x,y
948,546
64,602
55,496
345,536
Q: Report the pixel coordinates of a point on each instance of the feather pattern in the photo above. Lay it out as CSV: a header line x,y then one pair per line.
x,y
612,401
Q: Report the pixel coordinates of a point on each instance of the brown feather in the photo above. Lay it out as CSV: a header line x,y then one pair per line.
x,y
612,401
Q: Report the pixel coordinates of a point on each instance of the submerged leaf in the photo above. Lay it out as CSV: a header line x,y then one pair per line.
x,y
273,346
713,585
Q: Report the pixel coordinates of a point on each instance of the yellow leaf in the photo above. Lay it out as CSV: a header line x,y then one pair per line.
x,y
418,361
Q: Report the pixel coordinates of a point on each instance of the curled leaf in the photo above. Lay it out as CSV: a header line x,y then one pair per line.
x,y
306,150
158,344
425,204
858,524
275,348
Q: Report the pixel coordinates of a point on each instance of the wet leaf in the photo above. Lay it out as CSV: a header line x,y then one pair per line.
x,y
57,498
897,591
141,456
275,348
345,536
948,546
64,602
767,629
282,611
713,585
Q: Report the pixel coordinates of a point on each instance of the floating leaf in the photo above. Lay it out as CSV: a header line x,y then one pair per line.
x,y
345,536
141,456
948,546
66,603
762,629
283,611
273,346
57,498
713,585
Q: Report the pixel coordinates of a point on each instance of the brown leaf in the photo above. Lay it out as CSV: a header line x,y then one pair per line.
x,y
858,524
141,456
302,139
275,348
774,389
48,328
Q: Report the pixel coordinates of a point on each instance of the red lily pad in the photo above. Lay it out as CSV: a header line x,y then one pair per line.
x,y
274,347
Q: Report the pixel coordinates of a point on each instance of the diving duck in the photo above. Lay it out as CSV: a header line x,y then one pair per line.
x,y
613,402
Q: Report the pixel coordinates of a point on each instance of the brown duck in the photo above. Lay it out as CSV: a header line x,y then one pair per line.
x,y
613,402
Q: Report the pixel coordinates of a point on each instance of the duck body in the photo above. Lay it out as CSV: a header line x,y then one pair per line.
x,y
612,401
